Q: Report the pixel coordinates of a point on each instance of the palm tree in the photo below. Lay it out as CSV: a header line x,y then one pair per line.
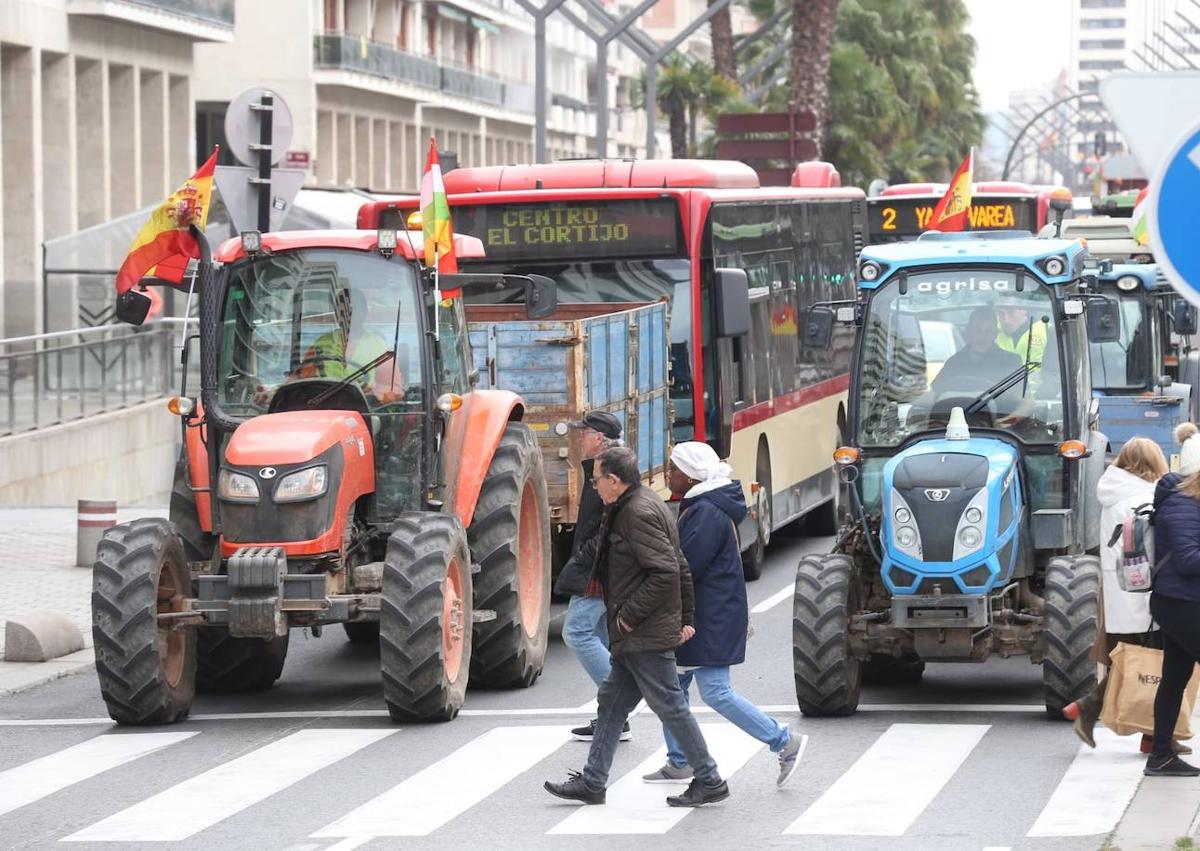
x,y
676,93
813,23
721,33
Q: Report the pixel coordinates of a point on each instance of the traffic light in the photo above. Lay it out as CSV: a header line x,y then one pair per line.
x,y
1100,144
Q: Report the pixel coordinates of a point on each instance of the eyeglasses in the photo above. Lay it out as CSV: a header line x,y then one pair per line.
x,y
597,479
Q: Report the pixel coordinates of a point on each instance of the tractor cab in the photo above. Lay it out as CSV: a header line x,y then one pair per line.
x,y
339,467
1144,378
970,451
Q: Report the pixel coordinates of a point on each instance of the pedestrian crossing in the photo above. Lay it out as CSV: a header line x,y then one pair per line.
x,y
882,791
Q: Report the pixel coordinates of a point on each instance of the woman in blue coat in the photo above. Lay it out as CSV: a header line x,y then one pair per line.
x,y
712,507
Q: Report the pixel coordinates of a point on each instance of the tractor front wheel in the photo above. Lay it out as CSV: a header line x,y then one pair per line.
x,y
227,663
425,618
828,676
146,662
1069,629
509,537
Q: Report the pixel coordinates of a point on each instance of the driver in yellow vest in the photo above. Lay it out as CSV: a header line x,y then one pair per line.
x,y
1020,334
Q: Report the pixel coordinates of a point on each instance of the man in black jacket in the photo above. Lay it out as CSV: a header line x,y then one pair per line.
x,y
650,606
584,630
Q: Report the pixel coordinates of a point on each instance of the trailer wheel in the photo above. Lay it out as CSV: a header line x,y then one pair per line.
x,y
828,677
146,666
509,537
425,618
1069,628
227,663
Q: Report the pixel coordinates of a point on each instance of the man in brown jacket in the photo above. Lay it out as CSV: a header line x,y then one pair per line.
x,y
648,594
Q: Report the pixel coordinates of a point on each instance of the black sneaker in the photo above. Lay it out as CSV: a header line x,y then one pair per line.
x,y
1169,766
588,732
699,793
576,789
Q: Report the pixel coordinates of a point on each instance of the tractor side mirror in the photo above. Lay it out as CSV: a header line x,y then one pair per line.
x,y
1103,320
541,296
816,329
732,298
1183,318
132,307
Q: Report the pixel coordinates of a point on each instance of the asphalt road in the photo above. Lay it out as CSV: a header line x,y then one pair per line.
x,y
965,760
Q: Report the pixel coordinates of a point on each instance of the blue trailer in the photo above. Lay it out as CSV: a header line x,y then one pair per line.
x,y
585,357
1146,379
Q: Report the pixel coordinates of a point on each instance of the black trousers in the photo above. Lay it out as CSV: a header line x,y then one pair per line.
x,y
1179,621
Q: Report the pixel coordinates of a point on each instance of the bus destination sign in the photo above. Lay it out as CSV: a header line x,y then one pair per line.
x,y
889,219
572,229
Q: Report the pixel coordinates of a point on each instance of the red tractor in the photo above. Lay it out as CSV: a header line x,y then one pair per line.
x,y
338,467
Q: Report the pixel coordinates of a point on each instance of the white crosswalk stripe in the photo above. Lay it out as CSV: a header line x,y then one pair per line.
x,y
217,794
452,785
1096,789
633,806
35,780
891,784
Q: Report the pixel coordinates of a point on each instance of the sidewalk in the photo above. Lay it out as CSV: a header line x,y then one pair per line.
x,y
37,556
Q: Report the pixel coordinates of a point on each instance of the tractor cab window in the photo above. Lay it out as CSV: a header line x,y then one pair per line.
x,y
320,315
1124,364
968,338
454,346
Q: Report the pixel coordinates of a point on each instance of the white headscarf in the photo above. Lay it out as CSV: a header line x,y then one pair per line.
x,y
698,461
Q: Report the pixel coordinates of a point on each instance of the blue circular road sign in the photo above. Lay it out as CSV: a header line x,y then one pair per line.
x,y
1175,196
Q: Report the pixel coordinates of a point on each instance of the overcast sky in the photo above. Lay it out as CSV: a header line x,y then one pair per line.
x,y
1021,44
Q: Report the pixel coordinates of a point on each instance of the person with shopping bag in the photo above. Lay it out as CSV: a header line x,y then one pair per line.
x,y
1124,616
1175,601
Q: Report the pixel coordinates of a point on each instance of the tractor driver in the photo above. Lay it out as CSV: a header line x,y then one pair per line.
x,y
343,350
981,362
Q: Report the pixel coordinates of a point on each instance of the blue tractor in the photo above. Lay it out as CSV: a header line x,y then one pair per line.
x,y
1147,378
971,452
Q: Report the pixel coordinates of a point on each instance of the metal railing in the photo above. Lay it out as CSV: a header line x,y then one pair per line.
x,y
355,53
48,379
210,11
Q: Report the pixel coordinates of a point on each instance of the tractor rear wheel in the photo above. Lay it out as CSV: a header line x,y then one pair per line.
x,y
509,537
146,664
1069,629
227,663
362,632
828,676
425,617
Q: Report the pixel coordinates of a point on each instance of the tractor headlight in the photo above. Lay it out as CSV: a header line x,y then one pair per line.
x,y
903,515
302,484
973,514
1128,283
237,487
906,537
970,537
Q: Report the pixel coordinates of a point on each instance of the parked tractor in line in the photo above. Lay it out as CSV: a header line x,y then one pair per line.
x,y
972,450
338,467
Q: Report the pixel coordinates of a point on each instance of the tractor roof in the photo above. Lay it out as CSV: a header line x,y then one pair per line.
x,y
409,244
971,248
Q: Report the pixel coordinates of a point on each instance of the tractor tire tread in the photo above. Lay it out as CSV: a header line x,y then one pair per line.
x,y
823,670
1069,627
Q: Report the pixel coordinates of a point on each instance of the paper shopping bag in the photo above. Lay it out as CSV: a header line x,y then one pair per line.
x,y
1129,694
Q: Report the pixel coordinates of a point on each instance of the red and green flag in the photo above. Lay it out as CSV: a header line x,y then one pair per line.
x,y
435,217
1141,229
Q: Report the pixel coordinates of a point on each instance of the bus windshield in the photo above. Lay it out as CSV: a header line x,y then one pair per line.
x,y
1124,364
964,338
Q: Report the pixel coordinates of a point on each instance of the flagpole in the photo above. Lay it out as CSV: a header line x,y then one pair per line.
x,y
437,294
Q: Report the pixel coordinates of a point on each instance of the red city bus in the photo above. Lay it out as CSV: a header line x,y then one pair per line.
x,y
665,230
903,211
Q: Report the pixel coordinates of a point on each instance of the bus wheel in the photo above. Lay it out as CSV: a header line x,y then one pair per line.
x,y
753,558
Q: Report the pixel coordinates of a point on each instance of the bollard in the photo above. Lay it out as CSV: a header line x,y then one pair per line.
x,y
95,515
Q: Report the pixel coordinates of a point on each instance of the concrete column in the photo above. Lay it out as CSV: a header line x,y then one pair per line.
x,y
153,137
362,151
21,190
182,156
326,148
125,178
345,149
380,154
92,141
396,151
60,210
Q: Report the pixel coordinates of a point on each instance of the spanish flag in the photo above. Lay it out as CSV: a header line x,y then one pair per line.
x,y
951,213
435,216
164,245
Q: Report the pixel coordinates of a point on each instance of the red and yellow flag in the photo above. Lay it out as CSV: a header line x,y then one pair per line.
x,y
951,212
435,216
163,246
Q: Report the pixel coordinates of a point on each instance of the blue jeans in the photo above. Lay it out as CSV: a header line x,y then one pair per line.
x,y
650,675
716,691
585,631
